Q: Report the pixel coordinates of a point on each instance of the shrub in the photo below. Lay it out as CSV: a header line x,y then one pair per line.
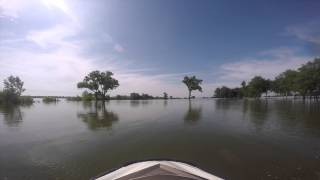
x,y
77,98
86,96
25,100
9,97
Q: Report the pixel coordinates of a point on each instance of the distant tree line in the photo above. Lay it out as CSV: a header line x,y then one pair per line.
x,y
86,96
98,84
303,82
48,99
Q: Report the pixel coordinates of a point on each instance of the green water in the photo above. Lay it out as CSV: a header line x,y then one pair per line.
x,y
233,139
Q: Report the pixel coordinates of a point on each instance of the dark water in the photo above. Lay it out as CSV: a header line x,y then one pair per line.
x,y
233,139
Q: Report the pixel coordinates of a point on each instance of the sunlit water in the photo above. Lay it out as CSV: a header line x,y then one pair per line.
x,y
233,139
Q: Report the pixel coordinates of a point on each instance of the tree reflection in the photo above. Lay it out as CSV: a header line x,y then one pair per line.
x,y
224,104
193,114
294,113
134,103
137,103
12,114
165,103
98,116
258,112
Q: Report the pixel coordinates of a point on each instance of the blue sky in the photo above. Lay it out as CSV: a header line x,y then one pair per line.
x,y
151,44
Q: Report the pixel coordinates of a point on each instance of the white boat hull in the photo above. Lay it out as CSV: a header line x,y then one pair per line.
x,y
155,170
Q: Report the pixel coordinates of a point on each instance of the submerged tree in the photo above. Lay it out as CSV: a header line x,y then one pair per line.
x,y
308,79
99,83
13,88
165,95
258,85
14,85
86,96
225,92
192,84
304,82
284,83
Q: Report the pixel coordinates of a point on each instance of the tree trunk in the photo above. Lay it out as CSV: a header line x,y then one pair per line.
x,y
103,93
189,94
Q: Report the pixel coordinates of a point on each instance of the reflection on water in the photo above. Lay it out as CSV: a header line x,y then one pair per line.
x,y
224,104
98,116
231,138
287,113
137,103
134,103
165,103
258,110
193,114
12,114
51,102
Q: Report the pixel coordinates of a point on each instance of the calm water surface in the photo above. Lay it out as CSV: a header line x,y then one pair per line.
x,y
233,139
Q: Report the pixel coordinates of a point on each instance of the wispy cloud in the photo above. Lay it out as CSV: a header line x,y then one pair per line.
x,y
11,8
309,32
118,48
267,64
55,62
53,37
52,58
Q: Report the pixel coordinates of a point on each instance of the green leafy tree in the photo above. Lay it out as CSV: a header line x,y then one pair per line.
x,y
308,79
305,81
165,95
285,82
225,92
14,85
86,96
243,84
192,84
244,89
99,83
135,96
217,93
13,88
258,85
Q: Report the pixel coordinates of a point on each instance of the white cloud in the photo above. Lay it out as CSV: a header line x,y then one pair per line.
x,y
45,73
309,32
118,48
53,36
57,64
151,84
57,74
11,8
268,64
60,4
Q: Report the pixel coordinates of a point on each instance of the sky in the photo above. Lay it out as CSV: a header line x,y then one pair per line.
x,y
150,45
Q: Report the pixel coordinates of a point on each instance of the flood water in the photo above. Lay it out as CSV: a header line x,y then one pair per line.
x,y
233,139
